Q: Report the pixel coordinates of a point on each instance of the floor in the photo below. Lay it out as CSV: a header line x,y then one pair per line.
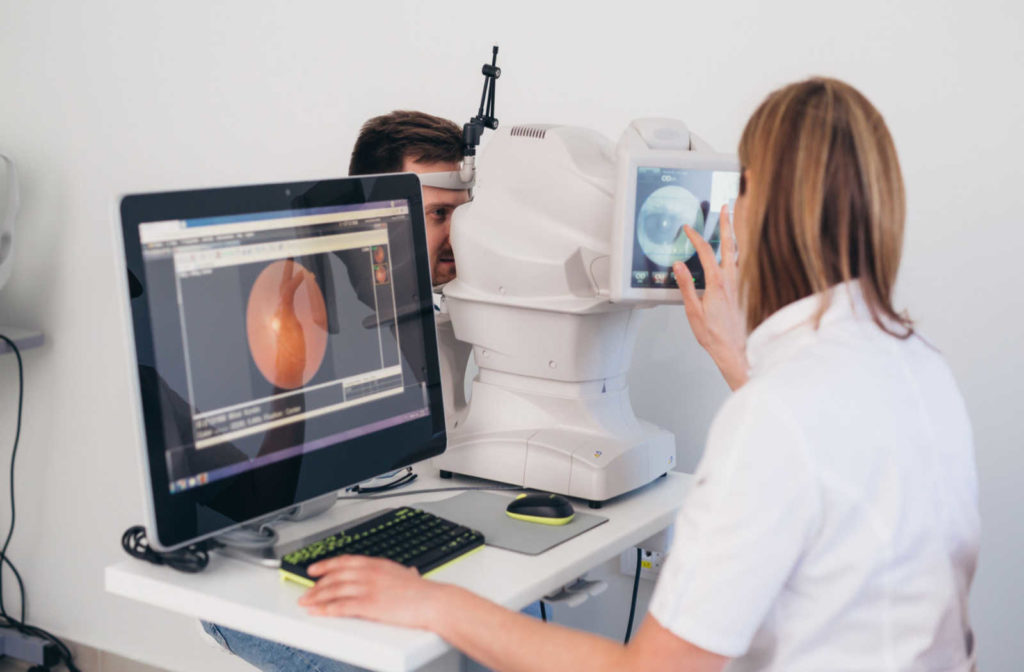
x,y
87,659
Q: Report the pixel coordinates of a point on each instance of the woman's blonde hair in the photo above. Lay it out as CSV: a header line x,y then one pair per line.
x,y
825,202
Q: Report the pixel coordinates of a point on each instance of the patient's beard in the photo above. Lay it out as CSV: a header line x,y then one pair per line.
x,y
444,267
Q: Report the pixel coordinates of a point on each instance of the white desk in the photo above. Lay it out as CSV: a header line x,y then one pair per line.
x,y
254,599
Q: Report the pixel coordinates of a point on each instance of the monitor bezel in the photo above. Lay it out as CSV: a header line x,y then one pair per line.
x,y
182,518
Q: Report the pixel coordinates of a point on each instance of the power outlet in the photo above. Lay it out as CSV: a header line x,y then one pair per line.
x,y
650,563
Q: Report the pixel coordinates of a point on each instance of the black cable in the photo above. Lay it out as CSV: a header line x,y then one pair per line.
x,y
9,622
21,585
406,478
14,452
429,490
191,559
632,606
543,612
196,557
63,652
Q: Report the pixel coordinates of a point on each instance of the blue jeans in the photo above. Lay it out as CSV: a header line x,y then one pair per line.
x,y
269,656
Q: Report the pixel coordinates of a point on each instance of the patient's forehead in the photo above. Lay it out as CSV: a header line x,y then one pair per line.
x,y
411,165
434,196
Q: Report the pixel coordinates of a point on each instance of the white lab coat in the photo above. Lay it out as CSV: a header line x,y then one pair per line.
x,y
833,523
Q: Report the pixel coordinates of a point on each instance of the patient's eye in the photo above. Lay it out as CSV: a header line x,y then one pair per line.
x,y
438,215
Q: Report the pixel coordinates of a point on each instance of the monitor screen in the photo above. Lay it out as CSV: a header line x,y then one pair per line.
x,y
666,200
283,352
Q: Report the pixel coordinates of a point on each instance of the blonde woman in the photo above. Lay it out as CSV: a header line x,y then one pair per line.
x,y
833,521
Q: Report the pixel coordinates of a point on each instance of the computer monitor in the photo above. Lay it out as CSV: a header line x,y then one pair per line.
x,y
285,344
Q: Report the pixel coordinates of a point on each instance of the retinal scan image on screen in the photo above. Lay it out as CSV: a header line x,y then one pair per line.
x,y
666,200
279,335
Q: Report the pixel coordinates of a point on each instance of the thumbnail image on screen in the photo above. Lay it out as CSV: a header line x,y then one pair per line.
x,y
279,336
666,200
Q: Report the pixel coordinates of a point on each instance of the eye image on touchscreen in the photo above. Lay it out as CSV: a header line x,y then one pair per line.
x,y
667,199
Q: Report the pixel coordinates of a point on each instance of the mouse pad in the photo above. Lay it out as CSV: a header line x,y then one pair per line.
x,y
485,511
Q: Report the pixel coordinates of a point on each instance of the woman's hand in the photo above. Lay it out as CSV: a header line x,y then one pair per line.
x,y
716,319
374,589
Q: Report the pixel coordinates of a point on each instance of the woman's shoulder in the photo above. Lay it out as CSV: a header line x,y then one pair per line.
x,y
755,441
842,362
755,415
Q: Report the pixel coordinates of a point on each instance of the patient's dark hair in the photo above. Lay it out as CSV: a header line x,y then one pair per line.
x,y
384,142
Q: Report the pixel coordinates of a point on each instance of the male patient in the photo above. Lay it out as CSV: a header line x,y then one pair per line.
x,y
418,143
402,141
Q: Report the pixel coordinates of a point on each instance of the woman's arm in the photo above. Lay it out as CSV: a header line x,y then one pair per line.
x,y
500,639
526,645
716,318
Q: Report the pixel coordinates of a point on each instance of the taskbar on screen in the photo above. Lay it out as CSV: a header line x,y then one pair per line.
x,y
206,477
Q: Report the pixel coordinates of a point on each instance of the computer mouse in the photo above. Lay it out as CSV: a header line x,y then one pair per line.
x,y
541,508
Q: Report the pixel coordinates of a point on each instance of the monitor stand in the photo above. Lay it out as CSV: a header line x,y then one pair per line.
x,y
257,542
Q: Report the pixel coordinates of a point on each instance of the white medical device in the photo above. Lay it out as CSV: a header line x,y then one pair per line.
x,y
667,178
9,201
545,297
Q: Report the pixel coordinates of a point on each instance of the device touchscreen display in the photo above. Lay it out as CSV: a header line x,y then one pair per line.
x,y
666,200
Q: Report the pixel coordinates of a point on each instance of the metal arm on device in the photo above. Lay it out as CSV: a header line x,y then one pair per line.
x,y
484,118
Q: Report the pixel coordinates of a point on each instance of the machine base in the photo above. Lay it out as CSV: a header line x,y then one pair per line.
x,y
594,468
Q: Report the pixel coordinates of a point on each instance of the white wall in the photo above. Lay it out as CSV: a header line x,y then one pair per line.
x,y
103,98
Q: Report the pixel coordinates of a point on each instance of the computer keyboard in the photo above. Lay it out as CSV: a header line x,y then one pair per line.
x,y
408,536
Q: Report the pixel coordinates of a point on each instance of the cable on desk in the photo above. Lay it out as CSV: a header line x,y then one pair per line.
x,y
632,605
7,621
429,490
405,479
196,557
191,559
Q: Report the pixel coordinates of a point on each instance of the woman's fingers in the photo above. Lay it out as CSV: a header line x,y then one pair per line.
x,y
728,244
372,588
336,563
691,302
716,318
345,582
705,253
685,281
337,577
336,591
341,609
344,576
